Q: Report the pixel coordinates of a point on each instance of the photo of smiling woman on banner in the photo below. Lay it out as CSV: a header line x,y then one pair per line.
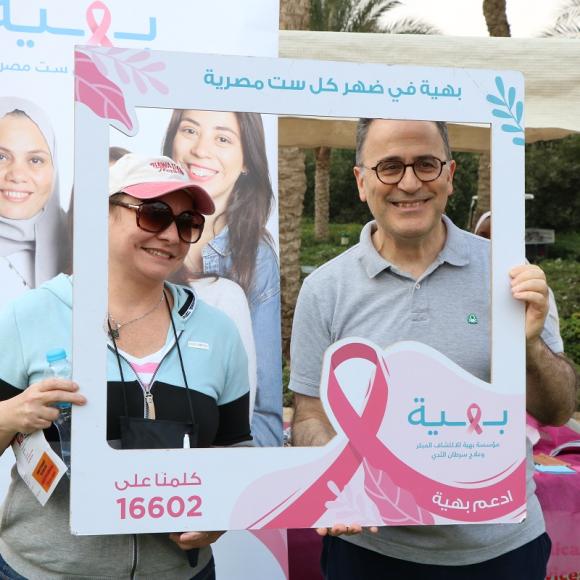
x,y
34,244
225,153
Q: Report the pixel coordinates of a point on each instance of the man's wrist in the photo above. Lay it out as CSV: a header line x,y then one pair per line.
x,y
534,349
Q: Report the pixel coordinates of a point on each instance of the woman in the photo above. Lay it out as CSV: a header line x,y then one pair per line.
x,y
225,153
33,236
160,388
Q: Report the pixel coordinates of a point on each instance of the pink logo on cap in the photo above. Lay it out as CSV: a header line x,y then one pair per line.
x,y
167,167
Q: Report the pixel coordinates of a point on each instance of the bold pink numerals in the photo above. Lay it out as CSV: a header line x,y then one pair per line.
x,y
157,507
123,503
196,501
136,508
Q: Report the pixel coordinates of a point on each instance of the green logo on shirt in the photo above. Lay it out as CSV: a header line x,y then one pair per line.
x,y
472,318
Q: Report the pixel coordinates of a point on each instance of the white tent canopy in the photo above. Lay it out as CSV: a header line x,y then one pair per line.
x,y
551,68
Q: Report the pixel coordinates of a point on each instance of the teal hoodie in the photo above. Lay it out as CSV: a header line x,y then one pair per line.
x,y
36,541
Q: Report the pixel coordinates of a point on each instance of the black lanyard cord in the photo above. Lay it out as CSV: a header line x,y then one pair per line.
x,y
188,393
112,335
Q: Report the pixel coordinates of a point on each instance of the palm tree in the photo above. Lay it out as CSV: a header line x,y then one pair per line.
x,y
349,16
294,15
496,18
497,25
568,21
362,16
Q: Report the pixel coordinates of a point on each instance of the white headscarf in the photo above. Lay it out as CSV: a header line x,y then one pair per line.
x,y
46,232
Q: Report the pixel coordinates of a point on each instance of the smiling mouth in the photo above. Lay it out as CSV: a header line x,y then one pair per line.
x,y
157,253
15,196
409,204
198,172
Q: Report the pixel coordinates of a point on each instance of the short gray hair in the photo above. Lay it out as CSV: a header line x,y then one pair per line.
x,y
362,130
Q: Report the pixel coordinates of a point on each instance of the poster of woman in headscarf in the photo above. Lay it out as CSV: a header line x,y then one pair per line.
x,y
34,242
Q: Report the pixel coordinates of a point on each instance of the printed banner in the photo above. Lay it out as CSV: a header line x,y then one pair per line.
x,y
37,39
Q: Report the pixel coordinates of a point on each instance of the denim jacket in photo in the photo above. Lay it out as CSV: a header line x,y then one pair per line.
x,y
264,302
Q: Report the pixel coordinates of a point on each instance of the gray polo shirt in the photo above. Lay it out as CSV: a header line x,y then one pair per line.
x,y
360,294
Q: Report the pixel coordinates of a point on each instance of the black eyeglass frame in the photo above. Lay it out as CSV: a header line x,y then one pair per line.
x,y
137,207
404,167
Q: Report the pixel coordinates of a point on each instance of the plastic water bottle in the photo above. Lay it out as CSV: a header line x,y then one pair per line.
x,y
59,367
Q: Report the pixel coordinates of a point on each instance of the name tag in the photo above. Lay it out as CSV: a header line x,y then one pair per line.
x,y
200,345
38,465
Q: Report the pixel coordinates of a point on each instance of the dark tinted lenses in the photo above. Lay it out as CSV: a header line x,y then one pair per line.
x,y
157,216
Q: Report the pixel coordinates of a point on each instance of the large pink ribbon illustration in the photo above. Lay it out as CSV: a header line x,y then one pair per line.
x,y
363,443
99,37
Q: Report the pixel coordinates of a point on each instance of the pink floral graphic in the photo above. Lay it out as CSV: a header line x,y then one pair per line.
x,y
132,66
396,505
352,504
98,93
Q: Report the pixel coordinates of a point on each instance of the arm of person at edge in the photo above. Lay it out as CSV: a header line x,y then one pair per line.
x,y
551,380
33,409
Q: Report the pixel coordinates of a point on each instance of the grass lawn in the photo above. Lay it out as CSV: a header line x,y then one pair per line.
x,y
314,253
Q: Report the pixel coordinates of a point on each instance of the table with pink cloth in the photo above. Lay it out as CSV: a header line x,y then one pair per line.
x,y
559,496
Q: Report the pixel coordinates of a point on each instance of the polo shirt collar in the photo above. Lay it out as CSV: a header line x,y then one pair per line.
x,y
454,251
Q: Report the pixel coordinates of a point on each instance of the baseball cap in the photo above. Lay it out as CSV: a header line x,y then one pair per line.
x,y
149,177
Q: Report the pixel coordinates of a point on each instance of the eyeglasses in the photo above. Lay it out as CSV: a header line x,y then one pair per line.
x,y
392,171
156,216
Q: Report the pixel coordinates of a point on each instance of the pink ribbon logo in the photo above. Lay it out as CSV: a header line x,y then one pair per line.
x,y
99,31
362,443
474,416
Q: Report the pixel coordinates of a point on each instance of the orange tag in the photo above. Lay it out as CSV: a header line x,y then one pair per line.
x,y
45,472
38,465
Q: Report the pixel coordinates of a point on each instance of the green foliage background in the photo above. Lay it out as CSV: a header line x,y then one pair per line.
x,y
553,176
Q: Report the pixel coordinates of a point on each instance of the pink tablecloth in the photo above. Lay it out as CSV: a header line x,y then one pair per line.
x,y
559,496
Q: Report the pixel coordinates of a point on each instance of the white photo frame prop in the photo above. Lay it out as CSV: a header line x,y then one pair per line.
x,y
377,452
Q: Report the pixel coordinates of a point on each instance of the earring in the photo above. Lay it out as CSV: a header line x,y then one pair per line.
x,y
245,172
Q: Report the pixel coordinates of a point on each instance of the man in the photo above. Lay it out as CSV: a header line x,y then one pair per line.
x,y
416,276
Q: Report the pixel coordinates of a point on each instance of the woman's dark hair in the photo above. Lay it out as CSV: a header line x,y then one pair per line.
x,y
251,199
115,153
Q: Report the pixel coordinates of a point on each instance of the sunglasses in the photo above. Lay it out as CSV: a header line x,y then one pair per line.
x,y
156,216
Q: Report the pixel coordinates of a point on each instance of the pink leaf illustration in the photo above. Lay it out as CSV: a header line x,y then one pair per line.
x,y
123,75
153,67
98,93
139,56
352,504
139,82
158,85
100,64
396,505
